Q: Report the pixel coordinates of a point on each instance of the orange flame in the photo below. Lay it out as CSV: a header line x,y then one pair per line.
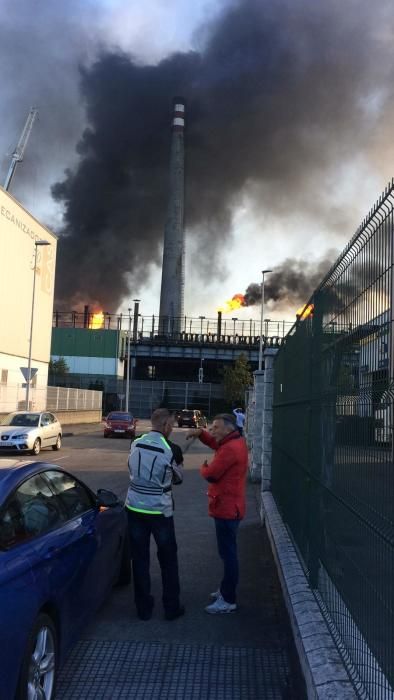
x,y
97,321
236,302
305,311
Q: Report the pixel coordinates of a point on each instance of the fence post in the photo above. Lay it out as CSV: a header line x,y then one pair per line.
x,y
255,468
269,357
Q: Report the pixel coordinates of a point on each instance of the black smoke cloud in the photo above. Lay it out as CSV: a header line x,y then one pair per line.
x,y
41,43
291,283
278,95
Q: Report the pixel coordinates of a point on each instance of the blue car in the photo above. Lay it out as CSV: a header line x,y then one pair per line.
x,y
62,548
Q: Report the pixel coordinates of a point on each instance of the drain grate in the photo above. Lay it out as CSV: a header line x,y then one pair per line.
x,y
106,670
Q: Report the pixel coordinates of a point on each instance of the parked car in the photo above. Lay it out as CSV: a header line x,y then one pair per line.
x,y
192,419
62,548
30,431
120,423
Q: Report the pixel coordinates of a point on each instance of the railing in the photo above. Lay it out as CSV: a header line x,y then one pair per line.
x,y
333,471
181,328
48,398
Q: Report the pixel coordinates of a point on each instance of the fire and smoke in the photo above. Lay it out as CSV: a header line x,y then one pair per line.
x,y
278,93
288,285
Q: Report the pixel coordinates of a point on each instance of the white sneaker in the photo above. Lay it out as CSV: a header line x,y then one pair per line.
x,y
220,606
215,594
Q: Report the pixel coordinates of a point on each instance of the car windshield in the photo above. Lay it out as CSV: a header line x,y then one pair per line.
x,y
187,414
120,416
27,420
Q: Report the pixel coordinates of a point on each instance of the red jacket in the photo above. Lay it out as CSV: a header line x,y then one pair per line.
x,y
227,475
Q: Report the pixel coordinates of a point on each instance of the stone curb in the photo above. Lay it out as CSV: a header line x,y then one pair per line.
x,y
324,671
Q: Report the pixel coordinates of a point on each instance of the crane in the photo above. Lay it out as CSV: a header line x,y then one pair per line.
x,y
17,155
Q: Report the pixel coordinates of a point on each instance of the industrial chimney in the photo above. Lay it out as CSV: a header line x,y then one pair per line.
x,y
173,272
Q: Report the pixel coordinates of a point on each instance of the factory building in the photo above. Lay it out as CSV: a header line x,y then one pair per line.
x,y
24,263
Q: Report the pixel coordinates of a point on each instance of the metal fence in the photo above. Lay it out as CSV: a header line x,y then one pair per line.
x,y
186,327
145,396
49,398
333,470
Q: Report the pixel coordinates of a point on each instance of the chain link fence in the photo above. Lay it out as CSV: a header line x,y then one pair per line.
x,y
333,471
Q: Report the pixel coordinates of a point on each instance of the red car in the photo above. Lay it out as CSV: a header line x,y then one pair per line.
x,y
119,423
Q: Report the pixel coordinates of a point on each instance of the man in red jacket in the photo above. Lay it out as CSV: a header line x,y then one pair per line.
x,y
226,475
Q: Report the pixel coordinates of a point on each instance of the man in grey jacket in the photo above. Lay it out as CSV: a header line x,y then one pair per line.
x,y
155,464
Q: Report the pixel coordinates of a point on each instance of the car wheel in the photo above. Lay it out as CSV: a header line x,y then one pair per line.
x,y
36,447
105,435
39,666
58,443
124,577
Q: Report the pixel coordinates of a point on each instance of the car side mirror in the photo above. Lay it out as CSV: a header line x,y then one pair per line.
x,y
107,499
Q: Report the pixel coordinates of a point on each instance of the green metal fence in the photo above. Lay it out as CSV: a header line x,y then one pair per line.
x,y
333,469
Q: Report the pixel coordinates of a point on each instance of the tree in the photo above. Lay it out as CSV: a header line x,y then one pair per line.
x,y
58,368
236,380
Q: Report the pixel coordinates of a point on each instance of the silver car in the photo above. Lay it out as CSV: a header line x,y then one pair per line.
x,y
30,431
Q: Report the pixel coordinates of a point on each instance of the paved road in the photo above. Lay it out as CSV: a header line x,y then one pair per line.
x,y
248,655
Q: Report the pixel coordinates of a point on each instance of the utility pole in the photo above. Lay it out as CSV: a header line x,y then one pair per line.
x,y
264,272
128,364
17,155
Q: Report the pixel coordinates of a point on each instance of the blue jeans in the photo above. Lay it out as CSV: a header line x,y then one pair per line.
x,y
141,527
226,536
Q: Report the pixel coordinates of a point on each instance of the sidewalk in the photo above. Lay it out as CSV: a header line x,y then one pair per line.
x,y
248,654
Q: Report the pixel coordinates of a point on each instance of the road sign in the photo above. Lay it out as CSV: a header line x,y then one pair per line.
x,y
25,372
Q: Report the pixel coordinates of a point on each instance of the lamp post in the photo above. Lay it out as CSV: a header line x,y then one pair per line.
x,y
128,364
36,244
264,272
201,372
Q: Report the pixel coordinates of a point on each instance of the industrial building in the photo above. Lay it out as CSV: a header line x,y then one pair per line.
x,y
24,265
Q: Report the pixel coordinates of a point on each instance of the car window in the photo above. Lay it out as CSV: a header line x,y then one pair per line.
x,y
27,420
32,510
120,416
46,419
12,526
49,418
74,496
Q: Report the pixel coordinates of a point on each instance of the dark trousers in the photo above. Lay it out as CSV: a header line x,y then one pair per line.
x,y
141,527
226,535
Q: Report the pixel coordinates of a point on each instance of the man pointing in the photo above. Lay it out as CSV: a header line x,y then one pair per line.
x,y
226,475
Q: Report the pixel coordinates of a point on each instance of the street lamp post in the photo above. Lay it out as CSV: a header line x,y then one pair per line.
x,y
264,272
36,244
201,372
128,364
